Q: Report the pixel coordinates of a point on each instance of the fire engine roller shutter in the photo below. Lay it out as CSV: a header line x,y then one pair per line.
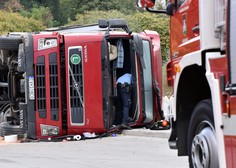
x,y
232,40
76,85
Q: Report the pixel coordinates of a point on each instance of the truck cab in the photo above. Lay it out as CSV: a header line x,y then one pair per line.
x,y
62,81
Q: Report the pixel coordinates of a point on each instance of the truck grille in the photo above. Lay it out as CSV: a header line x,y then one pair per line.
x,y
53,67
76,85
54,86
41,86
41,89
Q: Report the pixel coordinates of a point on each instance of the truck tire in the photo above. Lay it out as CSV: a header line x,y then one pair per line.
x,y
10,42
7,129
202,145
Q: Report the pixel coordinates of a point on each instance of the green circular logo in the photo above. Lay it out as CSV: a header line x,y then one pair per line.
x,y
75,59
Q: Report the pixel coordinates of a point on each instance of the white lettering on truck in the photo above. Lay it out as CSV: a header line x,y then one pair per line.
x,y
85,54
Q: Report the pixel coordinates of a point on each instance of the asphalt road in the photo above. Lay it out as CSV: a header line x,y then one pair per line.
x,y
121,151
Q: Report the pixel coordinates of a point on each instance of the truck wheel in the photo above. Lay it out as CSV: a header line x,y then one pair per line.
x,y
202,145
7,129
10,42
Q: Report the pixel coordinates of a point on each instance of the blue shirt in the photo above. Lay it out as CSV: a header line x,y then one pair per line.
x,y
124,78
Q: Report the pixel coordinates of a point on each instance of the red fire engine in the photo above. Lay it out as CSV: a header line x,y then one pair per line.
x,y
202,71
62,81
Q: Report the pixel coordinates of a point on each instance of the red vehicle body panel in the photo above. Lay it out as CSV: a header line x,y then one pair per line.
x,y
91,59
181,35
44,71
146,3
71,80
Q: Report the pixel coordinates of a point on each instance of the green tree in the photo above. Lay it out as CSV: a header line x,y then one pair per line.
x,y
13,22
29,3
40,13
159,23
12,5
66,10
91,17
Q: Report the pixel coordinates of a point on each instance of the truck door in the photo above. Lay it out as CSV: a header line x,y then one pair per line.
x,y
147,82
184,30
143,51
156,69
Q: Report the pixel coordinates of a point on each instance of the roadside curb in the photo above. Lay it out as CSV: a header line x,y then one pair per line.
x,y
147,133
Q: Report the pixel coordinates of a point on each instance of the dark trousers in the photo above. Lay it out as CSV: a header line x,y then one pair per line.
x,y
123,103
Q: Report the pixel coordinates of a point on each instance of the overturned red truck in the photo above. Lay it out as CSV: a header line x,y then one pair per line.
x,y
62,81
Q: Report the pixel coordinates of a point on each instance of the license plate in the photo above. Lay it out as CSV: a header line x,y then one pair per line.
x,y
31,88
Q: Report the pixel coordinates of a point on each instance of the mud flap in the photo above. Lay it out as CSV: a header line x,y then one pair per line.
x,y
23,118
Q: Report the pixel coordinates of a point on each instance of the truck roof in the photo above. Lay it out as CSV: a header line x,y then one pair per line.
x,y
76,28
85,30
112,25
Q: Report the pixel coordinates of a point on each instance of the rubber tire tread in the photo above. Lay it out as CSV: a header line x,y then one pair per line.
x,y
197,117
10,130
10,42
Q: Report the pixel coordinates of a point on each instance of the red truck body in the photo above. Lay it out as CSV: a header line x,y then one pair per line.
x,y
63,80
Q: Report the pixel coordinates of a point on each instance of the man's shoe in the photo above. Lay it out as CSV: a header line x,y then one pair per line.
x,y
125,126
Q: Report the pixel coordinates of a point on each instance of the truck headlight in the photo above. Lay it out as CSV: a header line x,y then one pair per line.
x,y
44,43
49,130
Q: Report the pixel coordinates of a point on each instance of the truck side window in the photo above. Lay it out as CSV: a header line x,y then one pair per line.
x,y
179,3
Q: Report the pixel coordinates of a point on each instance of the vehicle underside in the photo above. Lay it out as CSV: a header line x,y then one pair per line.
x,y
12,92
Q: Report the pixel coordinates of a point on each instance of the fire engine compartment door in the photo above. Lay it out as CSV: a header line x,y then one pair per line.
x,y
147,82
232,41
229,122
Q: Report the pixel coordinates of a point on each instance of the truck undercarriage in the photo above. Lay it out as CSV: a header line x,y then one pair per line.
x,y
12,87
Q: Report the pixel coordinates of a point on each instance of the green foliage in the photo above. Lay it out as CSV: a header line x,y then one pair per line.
x,y
12,5
13,22
29,3
159,23
64,10
40,13
91,17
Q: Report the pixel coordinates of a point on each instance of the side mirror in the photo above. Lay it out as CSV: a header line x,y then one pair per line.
x,y
170,9
114,23
102,23
145,3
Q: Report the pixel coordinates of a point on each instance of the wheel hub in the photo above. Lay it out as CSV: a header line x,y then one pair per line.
x,y
200,152
204,149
